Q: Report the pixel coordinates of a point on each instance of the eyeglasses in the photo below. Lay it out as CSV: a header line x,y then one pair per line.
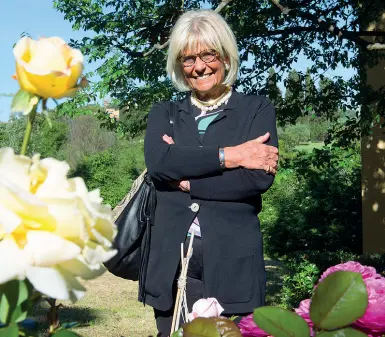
x,y
206,56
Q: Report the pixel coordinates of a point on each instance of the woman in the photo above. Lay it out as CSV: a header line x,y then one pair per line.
x,y
210,165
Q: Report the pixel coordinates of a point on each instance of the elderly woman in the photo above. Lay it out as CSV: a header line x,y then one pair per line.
x,y
210,165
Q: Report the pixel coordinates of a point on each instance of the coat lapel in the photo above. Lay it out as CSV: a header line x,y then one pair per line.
x,y
185,113
186,116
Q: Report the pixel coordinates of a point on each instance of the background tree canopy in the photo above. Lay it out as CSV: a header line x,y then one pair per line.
x,y
131,40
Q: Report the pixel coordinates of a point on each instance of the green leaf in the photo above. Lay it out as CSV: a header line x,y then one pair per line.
x,y
339,300
178,333
227,327
201,327
24,102
10,331
347,332
65,333
13,301
281,322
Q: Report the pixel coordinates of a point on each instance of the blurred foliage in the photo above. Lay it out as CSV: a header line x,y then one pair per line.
x,y
113,170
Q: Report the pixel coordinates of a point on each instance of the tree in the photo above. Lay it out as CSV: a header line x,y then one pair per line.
x,y
273,92
131,38
310,91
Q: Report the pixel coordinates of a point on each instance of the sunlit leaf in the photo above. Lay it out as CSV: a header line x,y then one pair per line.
x,y
201,327
23,102
347,332
339,300
280,322
10,331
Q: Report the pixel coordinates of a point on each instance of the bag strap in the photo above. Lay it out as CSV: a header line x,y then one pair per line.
x,y
136,184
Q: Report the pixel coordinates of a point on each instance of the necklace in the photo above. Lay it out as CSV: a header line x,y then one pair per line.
x,y
211,105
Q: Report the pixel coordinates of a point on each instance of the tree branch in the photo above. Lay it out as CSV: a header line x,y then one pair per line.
x,y
332,28
300,29
376,46
157,46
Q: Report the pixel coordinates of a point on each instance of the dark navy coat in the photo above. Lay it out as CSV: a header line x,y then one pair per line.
x,y
227,202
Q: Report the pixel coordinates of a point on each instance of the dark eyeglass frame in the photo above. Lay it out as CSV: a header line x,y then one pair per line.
x,y
194,56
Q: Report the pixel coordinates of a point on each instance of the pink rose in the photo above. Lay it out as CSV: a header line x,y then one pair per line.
x,y
374,318
206,307
365,271
304,311
249,328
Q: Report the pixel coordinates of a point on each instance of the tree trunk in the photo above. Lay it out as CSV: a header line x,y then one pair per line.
x,y
373,153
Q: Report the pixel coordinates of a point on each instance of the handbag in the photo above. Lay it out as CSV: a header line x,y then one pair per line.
x,y
134,216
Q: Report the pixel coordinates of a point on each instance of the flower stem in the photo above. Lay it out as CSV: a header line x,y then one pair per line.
x,y
28,130
53,316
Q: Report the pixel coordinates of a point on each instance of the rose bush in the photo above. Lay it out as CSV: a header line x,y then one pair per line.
x,y
366,271
372,322
52,229
48,67
248,327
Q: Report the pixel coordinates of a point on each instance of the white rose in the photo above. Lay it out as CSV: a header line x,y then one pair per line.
x,y
52,229
206,307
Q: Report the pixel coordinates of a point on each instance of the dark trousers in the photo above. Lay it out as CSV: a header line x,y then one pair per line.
x,y
194,289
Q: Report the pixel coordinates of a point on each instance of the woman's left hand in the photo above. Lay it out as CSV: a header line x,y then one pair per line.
x,y
183,185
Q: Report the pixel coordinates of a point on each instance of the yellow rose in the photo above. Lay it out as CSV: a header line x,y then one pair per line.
x,y
52,229
48,68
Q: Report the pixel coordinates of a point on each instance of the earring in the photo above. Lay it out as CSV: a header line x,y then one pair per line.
x,y
227,67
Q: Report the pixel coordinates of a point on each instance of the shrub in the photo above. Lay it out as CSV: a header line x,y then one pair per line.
x,y
86,137
315,205
299,283
113,170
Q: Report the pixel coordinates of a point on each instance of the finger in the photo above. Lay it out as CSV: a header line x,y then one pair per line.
x,y
273,149
270,170
168,139
263,139
274,157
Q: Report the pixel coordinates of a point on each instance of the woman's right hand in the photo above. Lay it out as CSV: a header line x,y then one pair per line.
x,y
253,154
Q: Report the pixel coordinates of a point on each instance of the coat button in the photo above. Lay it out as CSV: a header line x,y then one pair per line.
x,y
194,207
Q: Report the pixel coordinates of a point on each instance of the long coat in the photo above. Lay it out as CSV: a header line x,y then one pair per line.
x,y
227,202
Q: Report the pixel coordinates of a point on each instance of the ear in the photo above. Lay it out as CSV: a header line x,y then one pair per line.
x,y
227,63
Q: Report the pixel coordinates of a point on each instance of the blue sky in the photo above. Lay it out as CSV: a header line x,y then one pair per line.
x,y
39,18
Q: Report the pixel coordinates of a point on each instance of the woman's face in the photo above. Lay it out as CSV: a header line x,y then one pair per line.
x,y
205,78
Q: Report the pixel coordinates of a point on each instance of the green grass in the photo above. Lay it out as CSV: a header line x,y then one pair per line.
x,y
308,147
110,307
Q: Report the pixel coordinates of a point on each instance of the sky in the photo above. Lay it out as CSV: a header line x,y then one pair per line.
x,y
39,18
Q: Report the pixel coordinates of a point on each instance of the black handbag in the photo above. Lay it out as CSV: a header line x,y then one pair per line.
x,y
134,217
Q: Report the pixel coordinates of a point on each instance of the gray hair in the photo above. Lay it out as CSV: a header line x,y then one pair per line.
x,y
204,27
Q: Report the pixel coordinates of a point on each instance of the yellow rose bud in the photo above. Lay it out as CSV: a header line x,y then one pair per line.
x,y
48,67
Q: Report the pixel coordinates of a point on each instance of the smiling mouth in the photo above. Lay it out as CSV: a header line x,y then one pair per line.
x,y
203,77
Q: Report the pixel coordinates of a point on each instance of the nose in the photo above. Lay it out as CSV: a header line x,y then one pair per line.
x,y
199,65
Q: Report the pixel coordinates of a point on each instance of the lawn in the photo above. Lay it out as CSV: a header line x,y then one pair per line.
x,y
110,307
308,147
